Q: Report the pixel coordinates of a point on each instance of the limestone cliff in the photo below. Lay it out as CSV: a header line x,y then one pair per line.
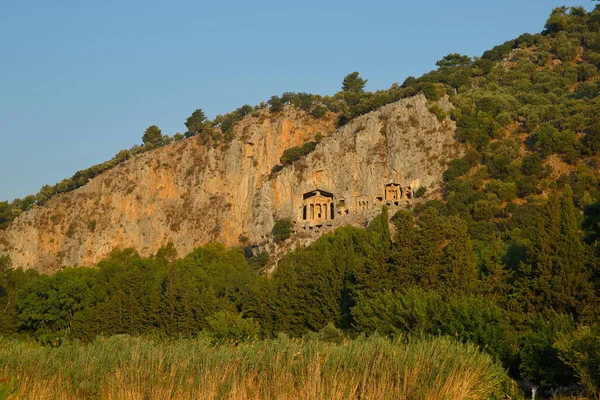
x,y
192,194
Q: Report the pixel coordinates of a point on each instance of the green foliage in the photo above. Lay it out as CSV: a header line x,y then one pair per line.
x,y
548,140
580,349
440,252
504,191
540,361
135,295
282,230
418,312
318,285
380,225
227,326
454,60
259,261
460,166
555,276
11,281
5,214
353,83
275,104
195,123
591,224
438,112
7,389
50,303
295,153
318,111
412,311
331,334
153,137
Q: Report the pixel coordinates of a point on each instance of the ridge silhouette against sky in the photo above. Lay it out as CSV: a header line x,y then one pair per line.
x,y
81,81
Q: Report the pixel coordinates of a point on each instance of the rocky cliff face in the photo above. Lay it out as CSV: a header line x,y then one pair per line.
x,y
192,194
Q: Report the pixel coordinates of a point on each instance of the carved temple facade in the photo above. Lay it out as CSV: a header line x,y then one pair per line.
x,y
320,206
317,205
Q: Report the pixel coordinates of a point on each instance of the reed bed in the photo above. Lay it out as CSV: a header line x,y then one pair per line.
x,y
123,367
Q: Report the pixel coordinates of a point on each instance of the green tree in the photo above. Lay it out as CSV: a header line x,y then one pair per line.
x,y
557,20
539,358
428,251
51,303
353,83
224,325
11,281
195,123
591,224
5,214
402,257
381,226
580,349
555,275
282,230
496,277
276,104
153,137
454,60
418,312
319,284
459,267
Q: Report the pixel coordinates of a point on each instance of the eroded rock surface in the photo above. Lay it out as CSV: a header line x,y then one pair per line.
x,y
192,194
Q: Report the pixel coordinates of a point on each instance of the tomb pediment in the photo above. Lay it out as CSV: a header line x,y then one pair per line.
x,y
316,192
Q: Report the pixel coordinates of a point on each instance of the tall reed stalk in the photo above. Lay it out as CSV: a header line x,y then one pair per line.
x,y
123,367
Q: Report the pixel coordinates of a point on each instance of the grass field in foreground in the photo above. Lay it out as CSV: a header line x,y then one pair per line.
x,y
123,367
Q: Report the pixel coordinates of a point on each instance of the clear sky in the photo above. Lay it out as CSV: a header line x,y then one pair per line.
x,y
81,80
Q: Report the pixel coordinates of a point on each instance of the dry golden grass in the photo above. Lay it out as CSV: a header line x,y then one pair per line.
x,y
125,368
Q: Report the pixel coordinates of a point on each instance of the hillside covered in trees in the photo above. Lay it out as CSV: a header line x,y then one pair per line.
x,y
507,258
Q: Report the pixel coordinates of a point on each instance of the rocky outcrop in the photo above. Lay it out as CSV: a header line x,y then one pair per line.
x,y
192,194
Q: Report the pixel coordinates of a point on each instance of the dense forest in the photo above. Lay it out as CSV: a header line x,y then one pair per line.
x,y
508,259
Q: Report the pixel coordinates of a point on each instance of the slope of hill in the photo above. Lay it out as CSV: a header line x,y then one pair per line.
x,y
192,194
526,112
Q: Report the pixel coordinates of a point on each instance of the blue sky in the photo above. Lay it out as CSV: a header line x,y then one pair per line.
x,y
80,80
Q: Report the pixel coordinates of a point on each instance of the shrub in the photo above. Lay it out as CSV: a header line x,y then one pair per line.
x,y
318,111
505,191
282,230
224,325
295,153
457,168
258,261
438,112
331,334
420,192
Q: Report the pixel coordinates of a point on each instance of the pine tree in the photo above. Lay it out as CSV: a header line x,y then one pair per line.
x,y
402,257
428,250
153,137
459,266
555,275
497,278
